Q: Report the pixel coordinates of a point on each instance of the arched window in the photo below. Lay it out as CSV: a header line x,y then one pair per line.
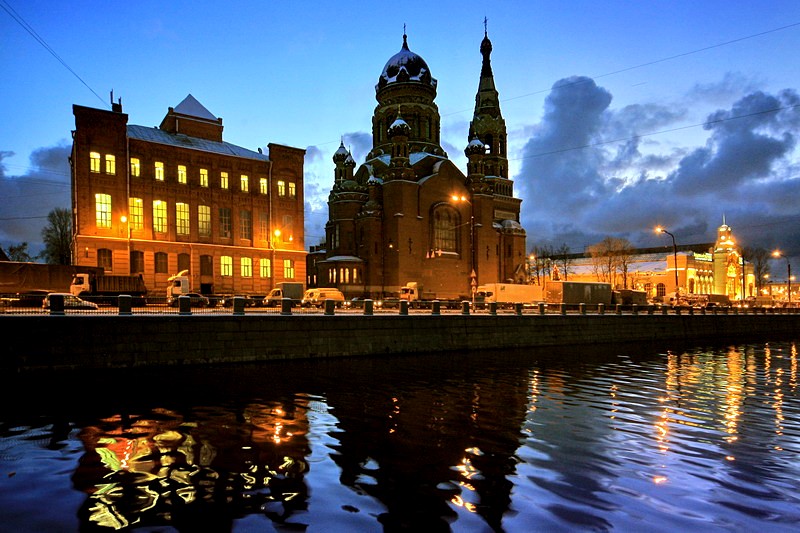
x,y
661,289
445,219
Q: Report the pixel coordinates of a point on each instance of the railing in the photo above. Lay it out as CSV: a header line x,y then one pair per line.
x,y
187,306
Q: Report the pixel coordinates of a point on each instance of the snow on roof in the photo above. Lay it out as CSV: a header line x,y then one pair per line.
x,y
351,258
190,106
180,140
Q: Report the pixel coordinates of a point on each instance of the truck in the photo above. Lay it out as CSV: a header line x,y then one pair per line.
x,y
578,292
507,294
412,292
22,277
285,289
105,288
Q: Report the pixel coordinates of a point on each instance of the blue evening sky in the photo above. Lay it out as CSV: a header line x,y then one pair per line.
x,y
604,100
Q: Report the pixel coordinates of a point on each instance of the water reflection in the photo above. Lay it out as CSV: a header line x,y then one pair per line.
x,y
559,440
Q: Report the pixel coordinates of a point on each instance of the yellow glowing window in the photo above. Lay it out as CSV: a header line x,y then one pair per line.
x,y
204,220
159,216
262,186
181,173
94,162
136,167
244,182
288,269
292,189
182,218
226,265
246,264
281,188
203,177
223,180
111,164
135,213
159,166
102,209
265,268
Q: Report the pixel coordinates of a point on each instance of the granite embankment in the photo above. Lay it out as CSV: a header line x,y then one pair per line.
x,y
42,343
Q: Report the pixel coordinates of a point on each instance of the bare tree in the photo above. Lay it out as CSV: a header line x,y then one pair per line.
x,y
57,237
609,257
759,257
541,263
562,257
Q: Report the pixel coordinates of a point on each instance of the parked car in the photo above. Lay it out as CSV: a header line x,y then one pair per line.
x,y
70,301
227,301
195,300
317,297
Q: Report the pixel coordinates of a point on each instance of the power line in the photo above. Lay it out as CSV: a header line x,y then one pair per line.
x,y
27,27
601,143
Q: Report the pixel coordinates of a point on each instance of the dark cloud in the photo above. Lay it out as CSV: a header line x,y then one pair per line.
x,y
590,171
28,198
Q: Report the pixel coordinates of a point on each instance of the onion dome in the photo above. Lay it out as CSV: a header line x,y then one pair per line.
x,y
399,127
340,155
405,66
475,147
349,161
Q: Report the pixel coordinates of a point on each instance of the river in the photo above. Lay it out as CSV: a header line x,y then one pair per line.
x,y
624,438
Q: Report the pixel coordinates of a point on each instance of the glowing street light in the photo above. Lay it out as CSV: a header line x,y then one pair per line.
x,y
659,229
778,254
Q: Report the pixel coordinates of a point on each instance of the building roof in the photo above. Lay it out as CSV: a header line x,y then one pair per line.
x,y
190,106
155,135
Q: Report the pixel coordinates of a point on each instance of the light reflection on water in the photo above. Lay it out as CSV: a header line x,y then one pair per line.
x,y
576,439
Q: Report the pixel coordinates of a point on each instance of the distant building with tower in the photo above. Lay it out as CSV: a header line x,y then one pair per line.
x,y
158,200
407,213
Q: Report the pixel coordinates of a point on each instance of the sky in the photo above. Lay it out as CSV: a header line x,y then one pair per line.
x,y
621,115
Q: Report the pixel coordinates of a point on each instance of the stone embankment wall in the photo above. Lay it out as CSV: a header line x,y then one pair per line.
x,y
40,343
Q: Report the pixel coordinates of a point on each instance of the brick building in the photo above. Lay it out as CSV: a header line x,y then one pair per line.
x,y
408,214
156,201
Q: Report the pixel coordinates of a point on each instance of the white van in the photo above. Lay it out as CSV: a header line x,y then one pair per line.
x,y
317,297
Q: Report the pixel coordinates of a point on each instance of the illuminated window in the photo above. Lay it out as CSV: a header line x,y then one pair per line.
x,y
265,268
223,180
281,188
181,173
94,162
245,225
445,220
111,164
244,182
135,213
246,264
159,166
104,258
204,220
225,222
102,209
292,189
136,167
226,265
182,218
203,177
262,186
288,269
161,263
159,216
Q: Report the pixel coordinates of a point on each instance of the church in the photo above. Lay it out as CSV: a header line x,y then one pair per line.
x,y
407,214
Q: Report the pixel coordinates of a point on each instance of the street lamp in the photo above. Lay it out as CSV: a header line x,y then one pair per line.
x,y
473,275
659,229
777,253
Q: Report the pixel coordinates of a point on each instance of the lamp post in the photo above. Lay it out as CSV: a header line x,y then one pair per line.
x,y
473,276
659,229
777,253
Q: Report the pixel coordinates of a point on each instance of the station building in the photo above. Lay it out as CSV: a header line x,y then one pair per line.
x,y
713,268
159,200
407,213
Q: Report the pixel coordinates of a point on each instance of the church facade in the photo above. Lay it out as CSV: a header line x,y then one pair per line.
x,y
407,213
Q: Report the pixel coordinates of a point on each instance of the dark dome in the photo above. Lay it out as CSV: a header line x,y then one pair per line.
x,y
406,66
